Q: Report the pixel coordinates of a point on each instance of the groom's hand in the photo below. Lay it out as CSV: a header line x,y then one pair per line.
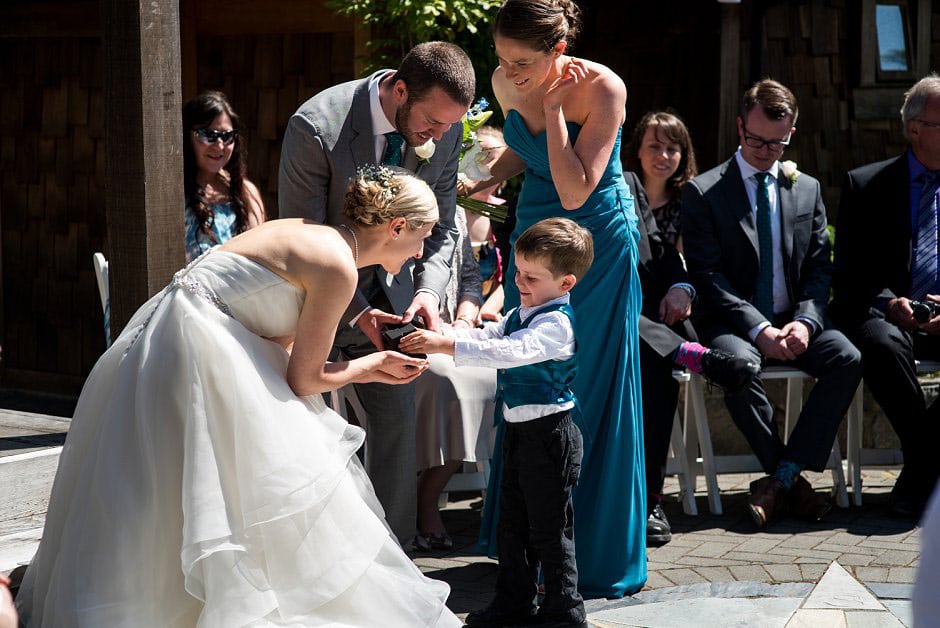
x,y
371,323
426,306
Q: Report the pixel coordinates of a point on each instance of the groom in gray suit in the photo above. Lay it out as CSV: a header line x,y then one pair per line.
x,y
383,119
758,255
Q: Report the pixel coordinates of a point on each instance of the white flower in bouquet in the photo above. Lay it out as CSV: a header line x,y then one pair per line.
x,y
425,151
788,169
472,164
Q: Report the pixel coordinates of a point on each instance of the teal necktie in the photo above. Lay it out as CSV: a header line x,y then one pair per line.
x,y
764,293
392,156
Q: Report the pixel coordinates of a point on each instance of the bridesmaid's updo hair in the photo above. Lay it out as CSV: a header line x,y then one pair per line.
x,y
541,23
377,194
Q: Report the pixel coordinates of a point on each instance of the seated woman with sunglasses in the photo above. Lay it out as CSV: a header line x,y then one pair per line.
x,y
220,201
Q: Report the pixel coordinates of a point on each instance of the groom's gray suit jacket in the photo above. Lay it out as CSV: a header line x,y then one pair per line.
x,y
327,139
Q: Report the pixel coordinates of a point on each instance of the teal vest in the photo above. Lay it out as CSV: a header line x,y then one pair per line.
x,y
543,383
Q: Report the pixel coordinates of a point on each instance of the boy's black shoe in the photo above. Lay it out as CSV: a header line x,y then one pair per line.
x,y
728,371
658,531
495,617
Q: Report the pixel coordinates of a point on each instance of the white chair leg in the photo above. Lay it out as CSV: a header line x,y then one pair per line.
x,y
838,477
853,442
700,417
686,490
794,405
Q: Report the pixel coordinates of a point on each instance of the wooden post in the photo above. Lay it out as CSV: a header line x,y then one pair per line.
x,y
729,94
143,140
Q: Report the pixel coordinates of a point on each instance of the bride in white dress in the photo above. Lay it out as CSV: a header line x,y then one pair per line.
x,y
204,482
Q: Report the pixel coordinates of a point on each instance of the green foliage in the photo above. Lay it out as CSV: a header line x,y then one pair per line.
x,y
398,25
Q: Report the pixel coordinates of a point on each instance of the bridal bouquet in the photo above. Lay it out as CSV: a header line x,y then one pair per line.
x,y
471,166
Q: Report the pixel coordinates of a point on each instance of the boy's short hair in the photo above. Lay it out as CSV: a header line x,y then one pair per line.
x,y
562,245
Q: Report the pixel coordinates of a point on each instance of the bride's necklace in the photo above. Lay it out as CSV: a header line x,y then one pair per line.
x,y
355,242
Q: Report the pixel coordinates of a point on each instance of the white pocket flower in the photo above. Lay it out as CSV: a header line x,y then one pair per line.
x,y
788,169
425,151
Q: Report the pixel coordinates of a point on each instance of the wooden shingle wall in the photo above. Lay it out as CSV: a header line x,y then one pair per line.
x,y
268,57
266,78
51,178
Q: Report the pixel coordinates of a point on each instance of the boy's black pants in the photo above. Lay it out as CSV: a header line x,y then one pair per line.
x,y
541,464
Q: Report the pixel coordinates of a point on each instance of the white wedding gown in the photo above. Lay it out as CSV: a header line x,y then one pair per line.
x,y
195,489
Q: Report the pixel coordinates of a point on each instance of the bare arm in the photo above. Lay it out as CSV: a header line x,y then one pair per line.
x,y
308,371
576,170
255,205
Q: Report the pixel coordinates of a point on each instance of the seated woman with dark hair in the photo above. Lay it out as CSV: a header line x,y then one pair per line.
x,y
220,201
663,147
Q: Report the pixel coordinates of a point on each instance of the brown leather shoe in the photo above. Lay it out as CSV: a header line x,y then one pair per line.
x,y
767,499
807,503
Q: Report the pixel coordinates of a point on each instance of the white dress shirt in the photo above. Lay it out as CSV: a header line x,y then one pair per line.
x,y
380,123
782,301
549,336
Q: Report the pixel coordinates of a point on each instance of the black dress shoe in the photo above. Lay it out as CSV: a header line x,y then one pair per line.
x,y
766,502
658,531
729,372
496,617
807,503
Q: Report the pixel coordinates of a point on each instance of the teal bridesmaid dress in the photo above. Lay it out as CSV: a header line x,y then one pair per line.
x,y
610,499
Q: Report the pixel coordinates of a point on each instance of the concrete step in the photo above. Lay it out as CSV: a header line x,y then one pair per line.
x,y
30,445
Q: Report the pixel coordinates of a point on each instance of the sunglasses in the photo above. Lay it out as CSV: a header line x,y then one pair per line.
x,y
208,136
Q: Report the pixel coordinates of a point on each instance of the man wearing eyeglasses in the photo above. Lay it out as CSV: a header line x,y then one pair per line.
x,y
886,262
758,255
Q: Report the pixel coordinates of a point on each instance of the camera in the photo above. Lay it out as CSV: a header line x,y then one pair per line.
x,y
923,311
392,334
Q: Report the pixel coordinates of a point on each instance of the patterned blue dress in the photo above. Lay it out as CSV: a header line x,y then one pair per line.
x,y
610,499
223,226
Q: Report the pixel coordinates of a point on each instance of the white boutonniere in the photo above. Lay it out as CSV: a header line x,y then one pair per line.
x,y
425,152
788,169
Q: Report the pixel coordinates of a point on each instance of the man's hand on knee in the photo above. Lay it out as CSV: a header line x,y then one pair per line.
x,y
772,343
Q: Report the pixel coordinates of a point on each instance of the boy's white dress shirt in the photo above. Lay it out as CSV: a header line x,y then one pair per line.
x,y
549,336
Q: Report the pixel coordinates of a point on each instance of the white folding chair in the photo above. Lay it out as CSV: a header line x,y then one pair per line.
x,y
104,291
678,461
710,465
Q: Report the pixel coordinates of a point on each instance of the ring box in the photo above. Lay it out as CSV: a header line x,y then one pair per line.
x,y
392,334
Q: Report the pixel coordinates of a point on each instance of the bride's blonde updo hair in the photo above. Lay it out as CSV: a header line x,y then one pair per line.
x,y
378,194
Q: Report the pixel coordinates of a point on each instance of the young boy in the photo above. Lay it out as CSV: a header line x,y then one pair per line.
x,y
534,349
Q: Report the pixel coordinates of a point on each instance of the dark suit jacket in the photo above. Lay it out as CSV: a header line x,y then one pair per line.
x,y
720,236
659,263
873,240
659,267
326,140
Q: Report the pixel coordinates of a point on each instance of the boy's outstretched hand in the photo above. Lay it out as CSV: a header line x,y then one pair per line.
x,y
426,341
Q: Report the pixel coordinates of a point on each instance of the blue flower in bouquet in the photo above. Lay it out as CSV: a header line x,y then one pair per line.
x,y
472,157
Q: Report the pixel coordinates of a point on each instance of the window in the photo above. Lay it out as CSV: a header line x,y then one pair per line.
x,y
894,51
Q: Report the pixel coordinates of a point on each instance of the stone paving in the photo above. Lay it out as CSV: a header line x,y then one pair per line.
x,y
854,569
720,571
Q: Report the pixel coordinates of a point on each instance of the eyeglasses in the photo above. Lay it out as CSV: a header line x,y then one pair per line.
x,y
757,142
209,136
929,125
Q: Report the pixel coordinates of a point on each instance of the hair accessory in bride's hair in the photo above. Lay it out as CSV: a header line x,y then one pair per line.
x,y
385,178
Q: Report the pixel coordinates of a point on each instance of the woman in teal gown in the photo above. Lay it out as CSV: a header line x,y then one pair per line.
x,y
563,119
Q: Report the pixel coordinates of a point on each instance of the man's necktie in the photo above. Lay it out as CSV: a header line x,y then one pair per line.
x,y
924,266
764,293
392,156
